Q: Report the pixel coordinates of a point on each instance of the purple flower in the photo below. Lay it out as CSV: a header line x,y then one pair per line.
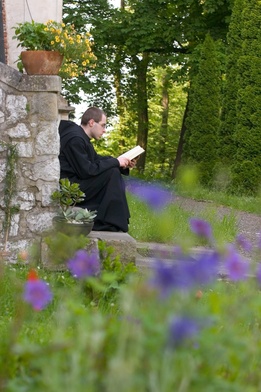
x,y
185,273
259,241
235,265
258,273
243,243
155,195
84,264
204,269
164,278
201,228
182,329
37,292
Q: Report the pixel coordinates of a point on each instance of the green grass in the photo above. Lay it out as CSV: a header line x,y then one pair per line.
x,y
116,339
241,203
171,225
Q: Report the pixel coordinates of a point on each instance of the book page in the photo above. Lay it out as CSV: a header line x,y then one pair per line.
x,y
133,153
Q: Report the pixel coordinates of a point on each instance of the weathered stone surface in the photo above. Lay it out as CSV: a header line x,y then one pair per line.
x,y
26,200
49,264
46,191
2,117
25,149
14,225
2,170
45,106
47,140
123,244
15,247
40,83
19,131
47,170
16,108
10,76
39,221
25,83
29,118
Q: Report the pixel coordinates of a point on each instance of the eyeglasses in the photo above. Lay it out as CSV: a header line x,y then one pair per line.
x,y
103,125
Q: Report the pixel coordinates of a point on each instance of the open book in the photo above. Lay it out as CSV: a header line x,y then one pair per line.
x,y
133,153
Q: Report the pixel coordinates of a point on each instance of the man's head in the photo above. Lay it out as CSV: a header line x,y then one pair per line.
x,y
94,122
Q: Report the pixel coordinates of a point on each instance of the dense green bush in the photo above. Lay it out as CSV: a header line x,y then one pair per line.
x,y
247,165
203,121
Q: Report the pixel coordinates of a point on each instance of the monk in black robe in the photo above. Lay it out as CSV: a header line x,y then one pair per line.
x,y
99,177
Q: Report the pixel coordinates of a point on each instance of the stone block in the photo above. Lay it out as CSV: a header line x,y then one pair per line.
x,y
123,244
50,265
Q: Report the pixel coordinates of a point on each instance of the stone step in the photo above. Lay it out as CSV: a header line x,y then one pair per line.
x,y
148,253
164,251
145,264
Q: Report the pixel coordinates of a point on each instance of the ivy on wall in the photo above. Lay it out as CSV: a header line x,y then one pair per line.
x,y
9,187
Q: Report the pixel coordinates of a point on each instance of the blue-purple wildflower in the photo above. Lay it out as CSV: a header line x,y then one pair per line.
x,y
182,329
258,273
203,270
259,241
235,265
185,273
155,195
84,264
201,228
37,292
242,242
164,277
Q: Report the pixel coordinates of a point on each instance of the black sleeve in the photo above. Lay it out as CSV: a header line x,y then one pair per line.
x,y
84,161
125,172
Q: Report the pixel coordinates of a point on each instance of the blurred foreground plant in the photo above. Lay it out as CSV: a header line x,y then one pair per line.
x,y
189,324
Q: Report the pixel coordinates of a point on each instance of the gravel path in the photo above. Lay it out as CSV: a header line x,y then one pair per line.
x,y
247,224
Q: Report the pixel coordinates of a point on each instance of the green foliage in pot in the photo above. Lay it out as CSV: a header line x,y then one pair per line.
x,y
67,197
53,36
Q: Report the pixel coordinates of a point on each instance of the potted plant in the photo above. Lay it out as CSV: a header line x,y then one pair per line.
x,y
72,219
53,39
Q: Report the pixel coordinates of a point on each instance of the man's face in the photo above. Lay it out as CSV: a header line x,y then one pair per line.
x,y
98,128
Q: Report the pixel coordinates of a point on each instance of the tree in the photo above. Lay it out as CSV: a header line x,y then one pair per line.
x,y
229,115
203,119
246,170
129,42
166,108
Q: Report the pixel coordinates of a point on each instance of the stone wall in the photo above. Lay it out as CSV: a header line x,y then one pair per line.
x,y
30,110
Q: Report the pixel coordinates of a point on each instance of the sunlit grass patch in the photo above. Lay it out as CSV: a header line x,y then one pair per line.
x,y
171,224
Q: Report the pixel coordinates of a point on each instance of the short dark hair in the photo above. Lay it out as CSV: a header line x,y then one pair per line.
x,y
92,113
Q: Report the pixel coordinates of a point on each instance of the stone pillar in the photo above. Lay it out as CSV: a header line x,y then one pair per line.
x,y
29,117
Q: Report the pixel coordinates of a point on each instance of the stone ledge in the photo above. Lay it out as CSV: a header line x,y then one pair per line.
x,y
40,83
35,83
123,244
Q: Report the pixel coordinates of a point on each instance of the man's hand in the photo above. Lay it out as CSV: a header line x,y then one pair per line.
x,y
124,162
132,163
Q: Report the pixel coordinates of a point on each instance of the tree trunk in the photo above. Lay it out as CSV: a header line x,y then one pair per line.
x,y
119,97
142,106
164,119
181,142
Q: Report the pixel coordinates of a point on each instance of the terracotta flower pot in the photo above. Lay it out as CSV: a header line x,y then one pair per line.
x,y
41,62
